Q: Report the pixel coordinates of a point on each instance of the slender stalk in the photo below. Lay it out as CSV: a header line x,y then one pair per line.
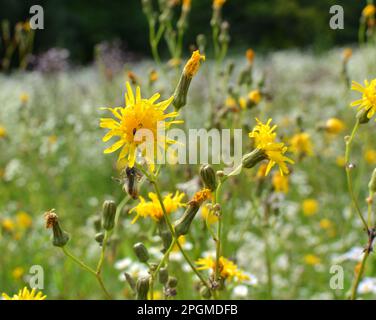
x,y
354,289
348,174
101,258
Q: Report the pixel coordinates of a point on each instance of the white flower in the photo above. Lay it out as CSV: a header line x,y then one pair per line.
x,y
240,291
367,285
122,264
354,254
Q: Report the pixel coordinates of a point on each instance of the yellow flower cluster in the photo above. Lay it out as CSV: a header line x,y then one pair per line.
x,y
153,208
228,269
265,139
25,294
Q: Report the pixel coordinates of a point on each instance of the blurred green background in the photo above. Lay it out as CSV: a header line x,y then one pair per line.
x,y
265,25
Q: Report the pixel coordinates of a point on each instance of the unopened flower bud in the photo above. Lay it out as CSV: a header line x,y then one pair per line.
x,y
60,237
362,116
131,185
183,224
99,237
208,176
172,282
253,158
163,275
372,182
108,215
205,292
141,252
130,280
97,223
142,288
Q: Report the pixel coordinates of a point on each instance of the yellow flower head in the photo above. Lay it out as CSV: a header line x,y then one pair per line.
x,y
368,101
138,114
17,273
218,4
242,103
193,64
208,215
201,196
3,132
310,207
325,224
8,224
265,139
369,11
255,96
23,220
227,268
334,126
280,182
25,294
153,208
312,260
370,156
250,55
231,103
186,5
24,98
301,144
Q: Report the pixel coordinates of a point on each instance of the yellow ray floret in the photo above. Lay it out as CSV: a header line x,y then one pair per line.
x,y
25,294
368,100
265,139
138,114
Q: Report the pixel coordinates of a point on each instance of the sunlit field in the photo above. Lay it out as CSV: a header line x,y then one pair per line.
x,y
295,221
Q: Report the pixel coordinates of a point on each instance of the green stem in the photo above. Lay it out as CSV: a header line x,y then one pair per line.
x,y
359,276
101,258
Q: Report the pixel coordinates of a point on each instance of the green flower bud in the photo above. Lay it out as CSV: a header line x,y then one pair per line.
x,y
163,275
142,288
208,176
141,252
372,182
130,280
183,224
362,116
97,223
205,292
59,236
253,158
108,215
99,237
172,282
181,91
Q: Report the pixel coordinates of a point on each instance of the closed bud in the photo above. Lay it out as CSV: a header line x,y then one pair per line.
x,y
60,237
253,158
181,92
372,182
141,252
362,116
172,282
205,292
99,237
165,234
208,176
142,288
130,280
163,275
97,223
108,215
183,224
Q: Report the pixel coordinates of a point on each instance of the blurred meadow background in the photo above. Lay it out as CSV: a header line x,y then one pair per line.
x,y
285,233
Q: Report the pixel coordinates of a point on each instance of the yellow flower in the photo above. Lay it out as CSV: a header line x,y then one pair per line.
x,y
310,207
137,114
347,54
250,54
255,96
325,224
301,144
186,5
193,64
3,132
280,182
264,138
311,260
200,196
341,161
182,241
334,126
243,103
17,273
218,4
25,294
369,11
8,224
227,268
230,103
153,208
208,215
24,98
370,156
368,101
23,220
